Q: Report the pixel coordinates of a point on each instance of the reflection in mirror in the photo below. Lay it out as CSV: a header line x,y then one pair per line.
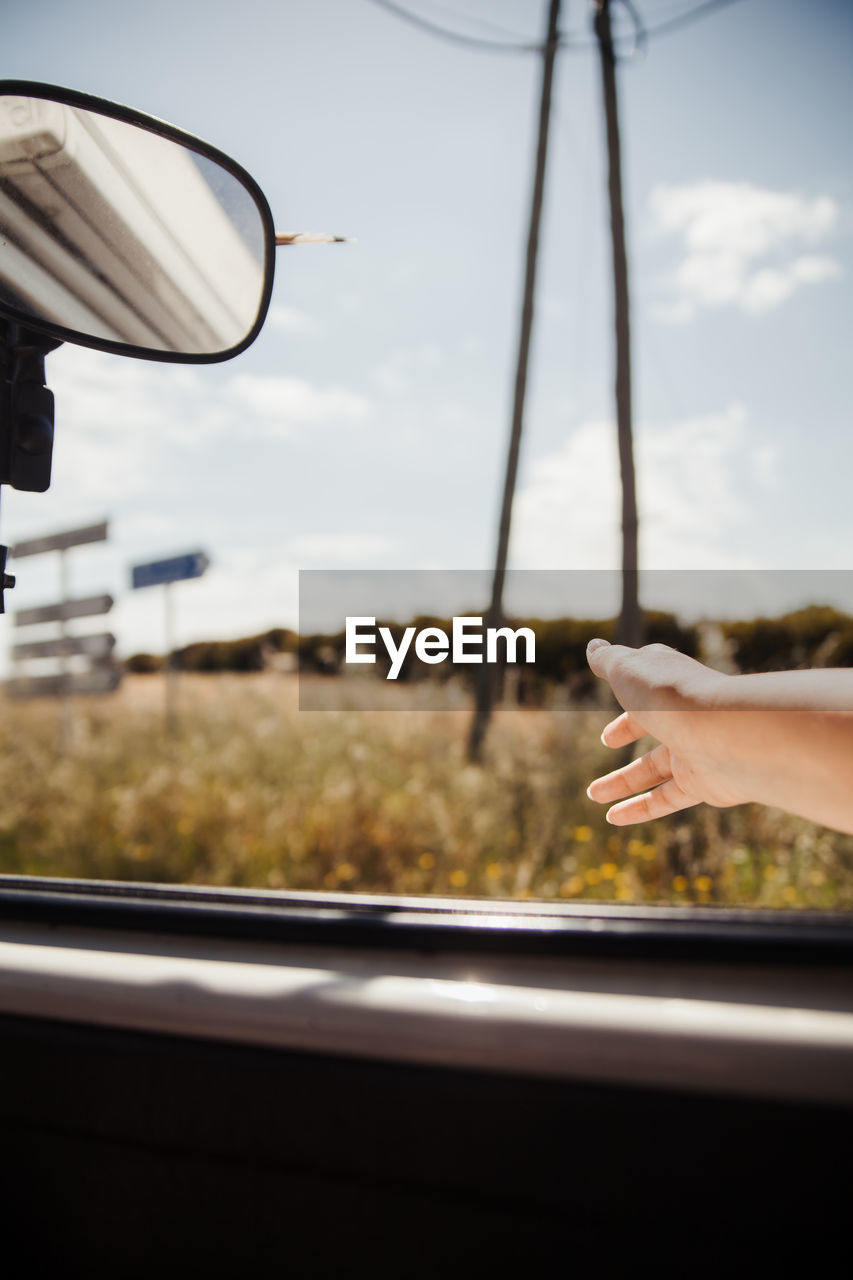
x,y
122,235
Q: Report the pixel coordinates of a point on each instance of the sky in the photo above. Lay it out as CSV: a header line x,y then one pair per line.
x,y
366,428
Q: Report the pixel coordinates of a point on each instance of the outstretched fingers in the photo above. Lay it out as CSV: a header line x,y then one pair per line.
x,y
665,799
649,771
651,776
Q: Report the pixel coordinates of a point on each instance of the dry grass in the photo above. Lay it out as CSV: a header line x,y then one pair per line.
x,y
251,791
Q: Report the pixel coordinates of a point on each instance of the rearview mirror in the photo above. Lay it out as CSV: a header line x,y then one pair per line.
x,y
123,233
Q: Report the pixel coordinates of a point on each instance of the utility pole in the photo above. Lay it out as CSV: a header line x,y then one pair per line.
x,y
487,675
630,627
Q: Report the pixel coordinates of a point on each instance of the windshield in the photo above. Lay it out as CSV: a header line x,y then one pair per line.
x,y
219,721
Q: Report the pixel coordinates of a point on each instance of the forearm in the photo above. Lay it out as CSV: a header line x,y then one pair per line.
x,y
791,733
828,689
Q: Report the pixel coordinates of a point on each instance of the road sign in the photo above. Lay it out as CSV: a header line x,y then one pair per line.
x,y
177,568
99,680
83,608
95,647
102,676
60,541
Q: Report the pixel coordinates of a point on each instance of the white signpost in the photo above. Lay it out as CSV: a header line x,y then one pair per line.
x,y
61,541
98,647
98,680
62,612
162,573
101,676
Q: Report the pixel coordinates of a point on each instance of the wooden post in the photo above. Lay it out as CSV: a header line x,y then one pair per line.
x,y
487,676
171,670
64,662
630,627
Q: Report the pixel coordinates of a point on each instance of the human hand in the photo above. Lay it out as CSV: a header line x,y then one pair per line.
x,y
672,697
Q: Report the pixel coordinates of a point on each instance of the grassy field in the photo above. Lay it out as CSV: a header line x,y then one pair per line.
x,y
252,792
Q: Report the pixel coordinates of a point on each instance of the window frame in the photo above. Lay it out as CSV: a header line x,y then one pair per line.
x,y
731,1003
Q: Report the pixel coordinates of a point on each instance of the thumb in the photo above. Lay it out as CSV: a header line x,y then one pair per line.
x,y
603,656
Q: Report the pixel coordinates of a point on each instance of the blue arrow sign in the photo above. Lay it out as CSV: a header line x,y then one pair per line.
x,y
158,572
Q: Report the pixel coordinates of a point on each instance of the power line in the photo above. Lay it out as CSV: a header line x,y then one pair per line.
x,y
641,35
454,37
566,42
489,30
643,32
690,15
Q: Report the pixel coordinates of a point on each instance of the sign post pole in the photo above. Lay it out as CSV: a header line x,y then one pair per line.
x,y
171,669
64,661
164,573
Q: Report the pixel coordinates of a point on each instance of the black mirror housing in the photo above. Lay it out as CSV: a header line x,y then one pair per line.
x,y
123,233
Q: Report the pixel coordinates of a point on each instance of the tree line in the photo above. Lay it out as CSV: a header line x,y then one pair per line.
x,y
814,636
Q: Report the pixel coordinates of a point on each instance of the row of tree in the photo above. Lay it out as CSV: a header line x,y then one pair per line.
x,y
816,636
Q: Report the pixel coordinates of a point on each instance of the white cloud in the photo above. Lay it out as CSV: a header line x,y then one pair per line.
x,y
119,422
291,319
149,527
553,308
114,420
401,367
690,480
390,380
742,245
338,548
773,285
473,344
282,403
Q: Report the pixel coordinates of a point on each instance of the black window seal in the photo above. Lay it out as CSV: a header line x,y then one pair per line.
x,y
424,924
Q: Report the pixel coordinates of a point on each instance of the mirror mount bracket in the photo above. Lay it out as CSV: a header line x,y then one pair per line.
x,y
26,408
7,580
26,418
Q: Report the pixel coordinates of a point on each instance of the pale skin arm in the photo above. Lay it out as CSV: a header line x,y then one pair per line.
x,y
782,738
